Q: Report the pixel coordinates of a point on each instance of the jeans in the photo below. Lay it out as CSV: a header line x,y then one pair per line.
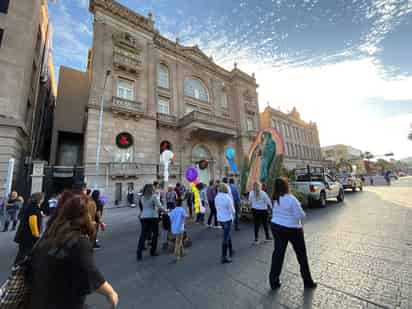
x,y
226,231
237,214
10,216
150,226
282,236
213,213
260,217
227,239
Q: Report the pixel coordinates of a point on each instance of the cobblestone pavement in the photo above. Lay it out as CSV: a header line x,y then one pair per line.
x,y
360,252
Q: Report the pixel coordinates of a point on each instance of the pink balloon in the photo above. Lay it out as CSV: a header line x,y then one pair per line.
x,y
196,181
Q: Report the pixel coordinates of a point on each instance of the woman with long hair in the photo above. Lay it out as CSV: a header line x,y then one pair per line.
x,y
287,218
261,204
225,215
149,217
63,271
30,226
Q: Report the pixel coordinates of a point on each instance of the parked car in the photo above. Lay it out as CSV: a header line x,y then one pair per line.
x,y
350,181
318,186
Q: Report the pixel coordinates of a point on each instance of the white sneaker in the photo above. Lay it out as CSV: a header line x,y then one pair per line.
x,y
256,242
218,227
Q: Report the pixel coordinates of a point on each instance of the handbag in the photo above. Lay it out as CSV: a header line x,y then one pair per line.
x,y
15,292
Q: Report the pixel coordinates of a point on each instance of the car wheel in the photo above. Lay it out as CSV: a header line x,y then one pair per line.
x,y
322,200
341,196
361,188
354,189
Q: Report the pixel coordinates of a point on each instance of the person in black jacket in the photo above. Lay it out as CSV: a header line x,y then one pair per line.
x,y
99,214
30,225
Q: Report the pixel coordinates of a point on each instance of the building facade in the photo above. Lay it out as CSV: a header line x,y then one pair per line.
x,y
301,138
159,92
344,158
27,87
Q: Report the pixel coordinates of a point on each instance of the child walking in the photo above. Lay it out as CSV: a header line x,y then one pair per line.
x,y
177,220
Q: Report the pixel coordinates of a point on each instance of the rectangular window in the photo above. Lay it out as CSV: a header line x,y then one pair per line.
x,y
125,89
274,124
224,101
4,6
163,106
250,125
1,36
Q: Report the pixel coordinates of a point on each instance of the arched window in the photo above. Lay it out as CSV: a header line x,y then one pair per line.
x,y
194,88
163,76
201,152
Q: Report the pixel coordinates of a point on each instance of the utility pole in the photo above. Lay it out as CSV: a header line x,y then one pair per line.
x,y
99,132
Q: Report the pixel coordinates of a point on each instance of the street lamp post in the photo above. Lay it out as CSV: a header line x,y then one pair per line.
x,y
99,132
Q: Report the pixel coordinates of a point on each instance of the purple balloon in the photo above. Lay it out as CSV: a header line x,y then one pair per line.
x,y
104,199
191,174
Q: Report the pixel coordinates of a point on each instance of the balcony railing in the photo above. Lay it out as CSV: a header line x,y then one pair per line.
x,y
166,120
196,116
127,106
174,170
126,63
131,169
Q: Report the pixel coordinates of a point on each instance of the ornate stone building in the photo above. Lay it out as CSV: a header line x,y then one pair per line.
x,y
27,88
301,138
158,91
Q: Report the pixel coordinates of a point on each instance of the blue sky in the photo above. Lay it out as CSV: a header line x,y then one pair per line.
x,y
346,64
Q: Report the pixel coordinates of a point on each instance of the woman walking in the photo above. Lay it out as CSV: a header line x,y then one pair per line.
x,y
287,226
149,217
261,204
29,228
225,215
63,270
211,195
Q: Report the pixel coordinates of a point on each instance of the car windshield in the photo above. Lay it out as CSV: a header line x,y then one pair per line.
x,y
343,175
306,177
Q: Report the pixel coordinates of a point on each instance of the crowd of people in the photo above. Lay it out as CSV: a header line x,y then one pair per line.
x,y
223,200
63,267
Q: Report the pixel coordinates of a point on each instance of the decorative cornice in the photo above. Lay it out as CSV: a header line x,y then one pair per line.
x,y
290,117
116,9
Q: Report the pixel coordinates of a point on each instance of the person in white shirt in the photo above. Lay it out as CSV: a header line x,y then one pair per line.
x,y
225,215
287,215
261,204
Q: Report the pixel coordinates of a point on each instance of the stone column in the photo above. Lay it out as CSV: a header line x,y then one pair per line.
x,y
37,177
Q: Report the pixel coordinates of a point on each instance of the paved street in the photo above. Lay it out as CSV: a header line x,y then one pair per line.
x,y
360,253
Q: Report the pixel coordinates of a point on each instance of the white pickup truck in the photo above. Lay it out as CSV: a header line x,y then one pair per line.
x,y
318,186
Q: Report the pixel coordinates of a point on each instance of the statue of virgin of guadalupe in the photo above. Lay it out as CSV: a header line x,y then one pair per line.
x,y
268,154
260,161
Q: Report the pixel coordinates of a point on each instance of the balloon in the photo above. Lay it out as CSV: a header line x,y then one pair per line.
x,y
104,199
191,174
196,181
230,153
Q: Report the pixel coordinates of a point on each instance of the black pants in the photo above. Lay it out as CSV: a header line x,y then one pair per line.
x,y
282,236
213,213
150,226
260,217
24,251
